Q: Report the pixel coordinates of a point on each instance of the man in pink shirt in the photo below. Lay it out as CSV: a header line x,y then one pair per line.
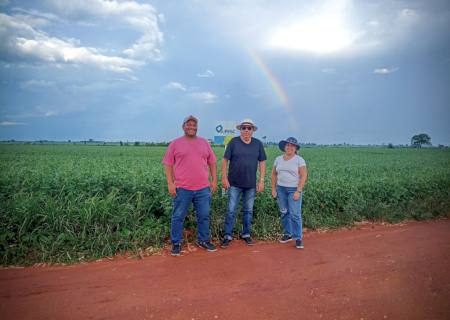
x,y
188,162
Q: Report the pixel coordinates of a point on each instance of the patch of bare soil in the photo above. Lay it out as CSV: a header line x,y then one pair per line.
x,y
367,272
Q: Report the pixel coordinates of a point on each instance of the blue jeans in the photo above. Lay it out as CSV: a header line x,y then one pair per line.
x,y
248,198
181,203
291,211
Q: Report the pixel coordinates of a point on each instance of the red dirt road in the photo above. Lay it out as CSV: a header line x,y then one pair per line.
x,y
368,272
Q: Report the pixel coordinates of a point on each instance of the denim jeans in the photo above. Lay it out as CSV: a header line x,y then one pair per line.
x,y
181,203
248,198
291,211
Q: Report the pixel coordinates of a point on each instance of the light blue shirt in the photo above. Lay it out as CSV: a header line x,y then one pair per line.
x,y
287,171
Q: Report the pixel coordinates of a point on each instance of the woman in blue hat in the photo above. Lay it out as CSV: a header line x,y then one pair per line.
x,y
288,179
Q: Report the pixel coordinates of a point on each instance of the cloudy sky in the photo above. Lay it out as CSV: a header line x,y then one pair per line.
x,y
363,72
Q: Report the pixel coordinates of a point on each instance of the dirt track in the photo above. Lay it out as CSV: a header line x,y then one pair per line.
x,y
369,272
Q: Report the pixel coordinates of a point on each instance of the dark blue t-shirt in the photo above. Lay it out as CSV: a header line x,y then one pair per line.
x,y
244,160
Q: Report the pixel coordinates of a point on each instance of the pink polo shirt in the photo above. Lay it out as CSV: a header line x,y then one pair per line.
x,y
190,159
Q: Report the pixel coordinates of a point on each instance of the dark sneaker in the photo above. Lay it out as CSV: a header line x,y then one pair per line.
x,y
225,243
248,241
208,246
286,238
176,249
299,244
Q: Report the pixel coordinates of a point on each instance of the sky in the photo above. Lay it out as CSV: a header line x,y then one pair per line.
x,y
357,72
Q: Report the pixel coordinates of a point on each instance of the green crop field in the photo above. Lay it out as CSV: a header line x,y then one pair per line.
x,y
66,203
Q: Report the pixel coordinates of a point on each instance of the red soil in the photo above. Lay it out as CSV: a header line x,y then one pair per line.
x,y
368,272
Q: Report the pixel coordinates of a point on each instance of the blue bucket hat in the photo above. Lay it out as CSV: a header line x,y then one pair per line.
x,y
290,140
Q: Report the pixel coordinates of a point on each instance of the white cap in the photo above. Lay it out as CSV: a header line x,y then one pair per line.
x,y
190,117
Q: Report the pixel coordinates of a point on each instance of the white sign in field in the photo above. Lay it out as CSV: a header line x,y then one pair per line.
x,y
224,132
226,128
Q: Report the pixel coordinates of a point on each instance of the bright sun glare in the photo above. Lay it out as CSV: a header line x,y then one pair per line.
x,y
321,34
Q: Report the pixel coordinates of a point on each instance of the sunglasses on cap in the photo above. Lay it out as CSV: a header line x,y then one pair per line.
x,y
248,128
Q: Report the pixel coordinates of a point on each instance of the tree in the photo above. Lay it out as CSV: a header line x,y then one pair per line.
x,y
420,139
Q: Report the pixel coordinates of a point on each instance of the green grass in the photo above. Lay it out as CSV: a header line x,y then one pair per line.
x,y
65,203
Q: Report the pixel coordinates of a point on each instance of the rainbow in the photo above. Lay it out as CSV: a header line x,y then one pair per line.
x,y
276,87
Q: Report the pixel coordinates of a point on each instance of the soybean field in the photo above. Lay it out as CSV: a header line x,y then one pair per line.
x,y
68,203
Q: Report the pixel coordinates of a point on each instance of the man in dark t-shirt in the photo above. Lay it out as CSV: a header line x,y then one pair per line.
x,y
245,154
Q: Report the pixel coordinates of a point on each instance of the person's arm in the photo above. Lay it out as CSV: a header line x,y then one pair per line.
x,y
212,164
303,173
225,182
303,176
262,174
213,171
262,167
274,181
168,169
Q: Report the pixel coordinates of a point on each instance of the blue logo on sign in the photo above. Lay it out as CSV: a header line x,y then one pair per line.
x,y
219,128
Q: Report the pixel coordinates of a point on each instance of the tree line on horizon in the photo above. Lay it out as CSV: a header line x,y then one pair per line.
x,y
417,141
